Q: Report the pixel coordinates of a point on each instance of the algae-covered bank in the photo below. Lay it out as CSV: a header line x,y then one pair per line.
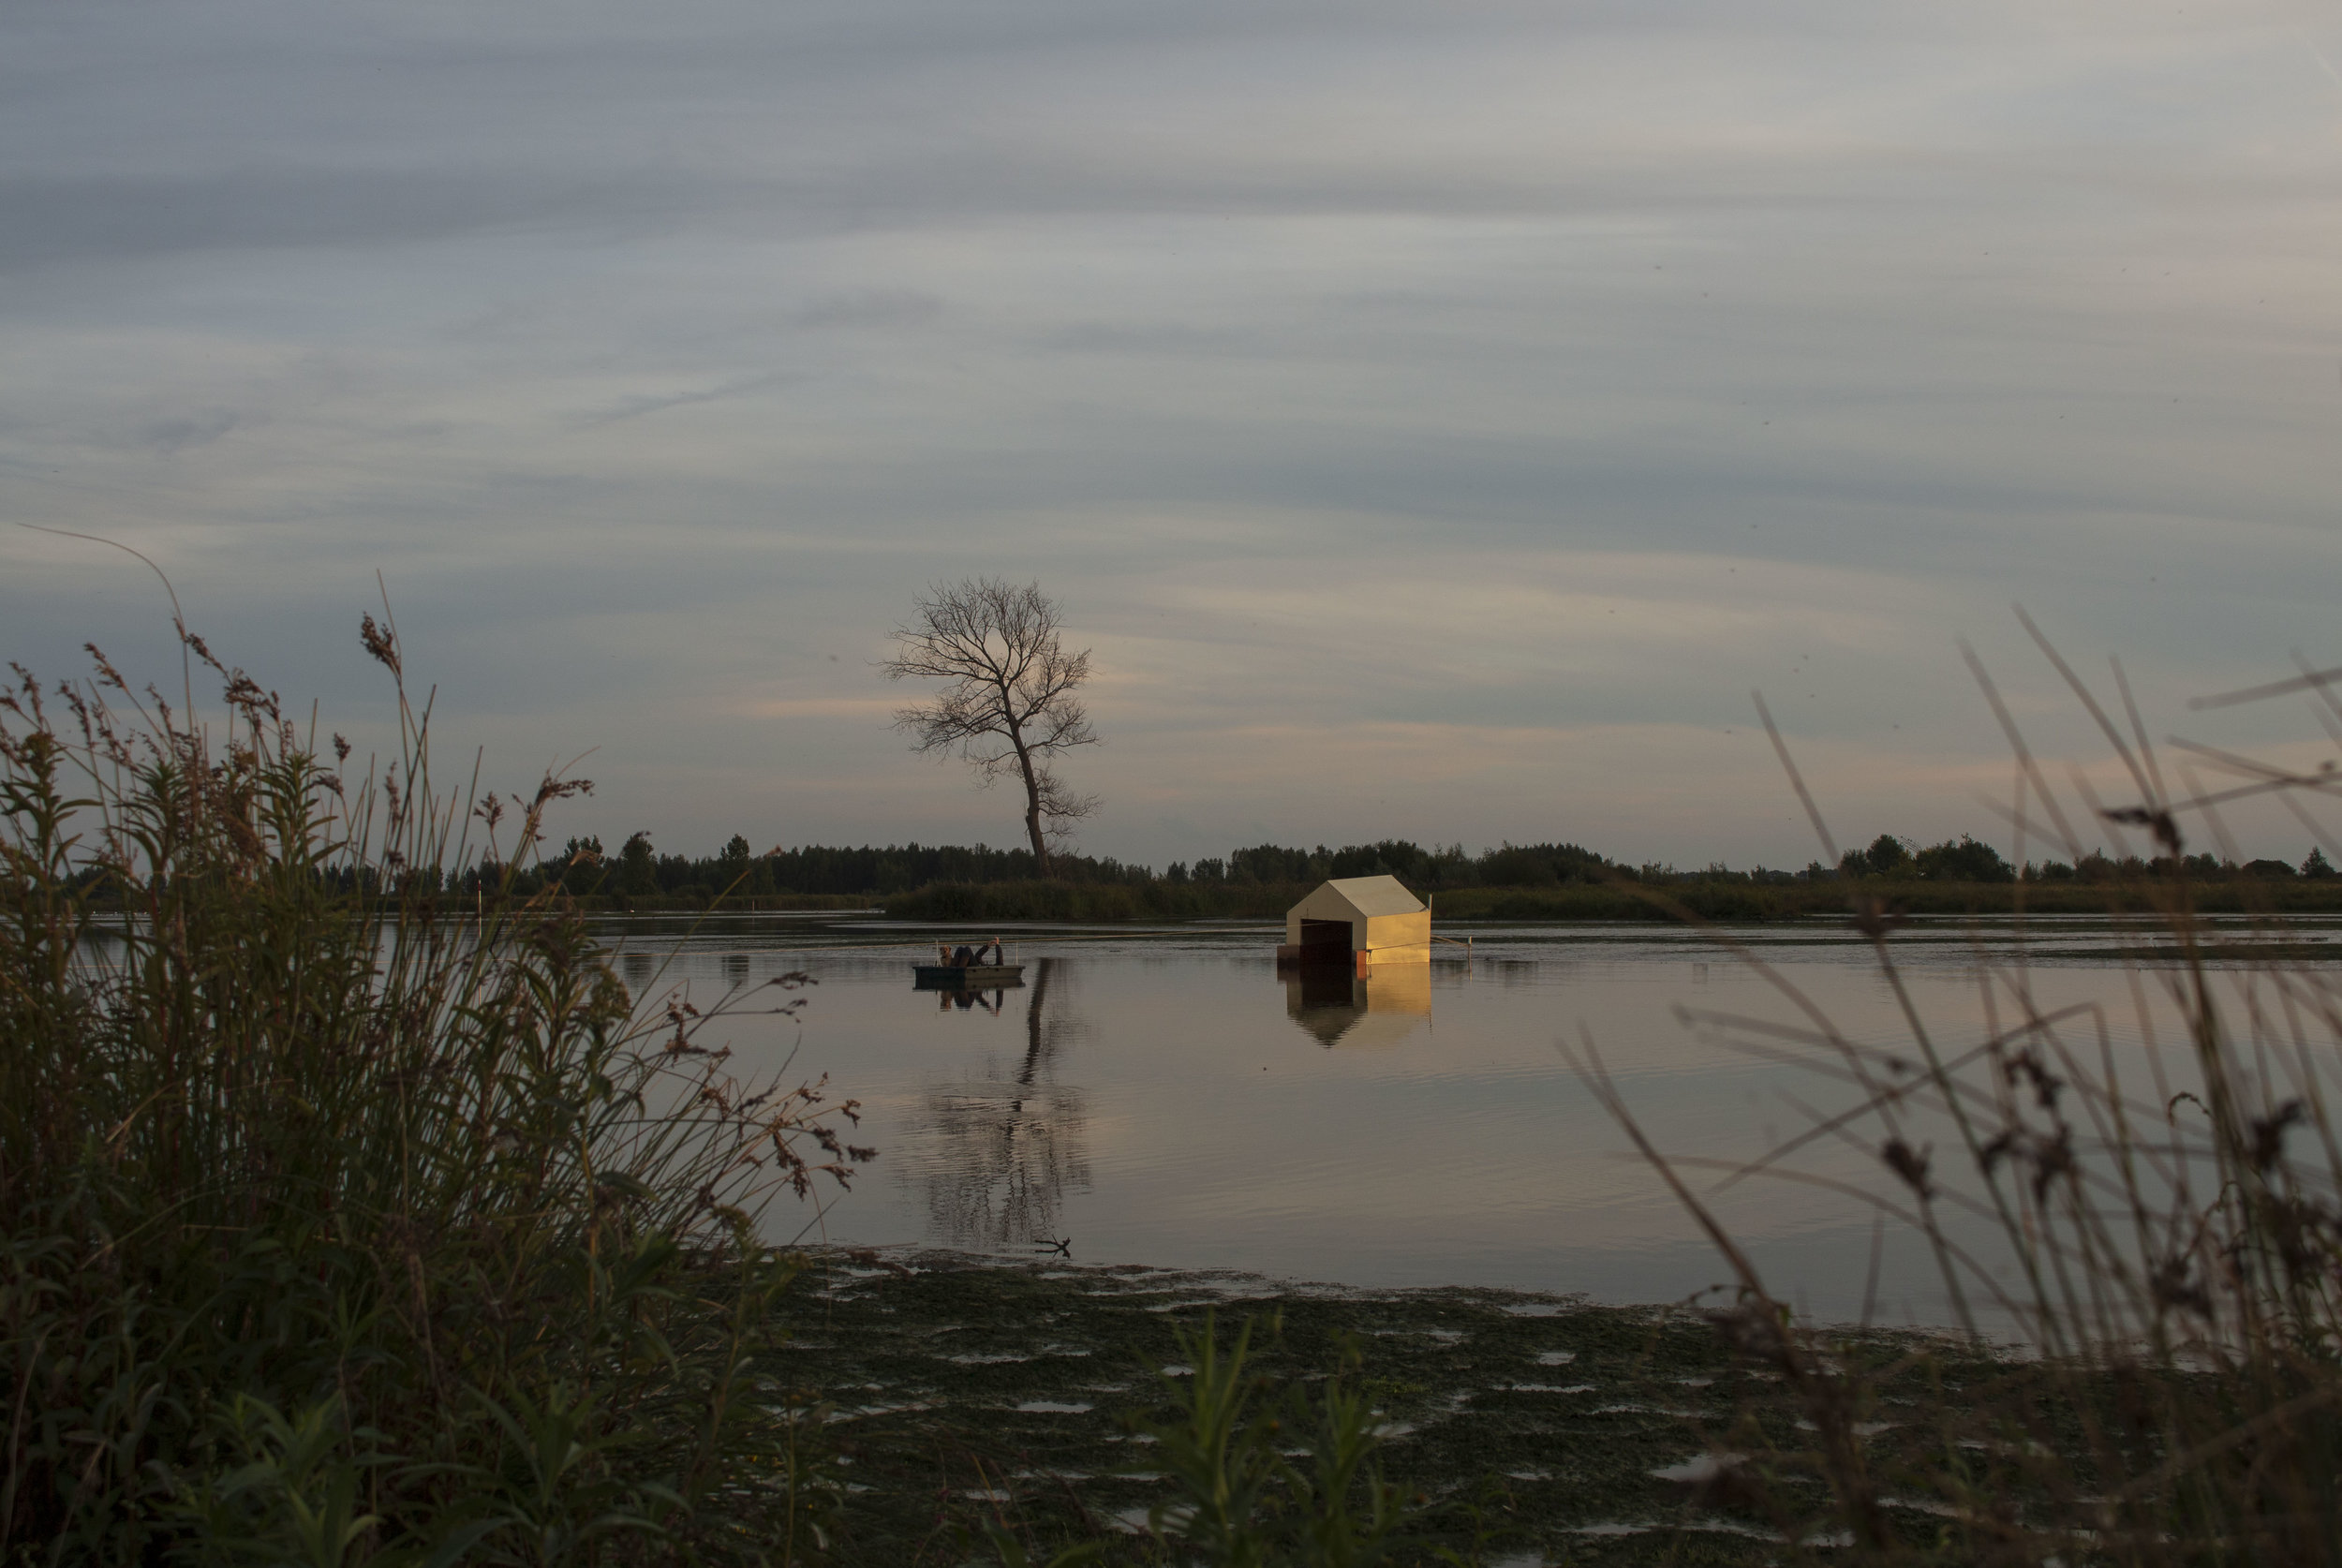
x,y
967,1392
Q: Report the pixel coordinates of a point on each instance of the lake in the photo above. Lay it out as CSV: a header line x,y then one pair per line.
x,y
1166,1097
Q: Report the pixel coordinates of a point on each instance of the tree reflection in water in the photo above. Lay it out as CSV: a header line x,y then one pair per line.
x,y
998,1153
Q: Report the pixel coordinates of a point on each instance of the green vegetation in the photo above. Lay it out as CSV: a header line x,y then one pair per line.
x,y
1026,1399
344,1223
1721,899
1507,883
1511,882
1091,901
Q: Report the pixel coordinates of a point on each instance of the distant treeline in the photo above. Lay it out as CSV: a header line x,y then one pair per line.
x,y
1511,880
638,870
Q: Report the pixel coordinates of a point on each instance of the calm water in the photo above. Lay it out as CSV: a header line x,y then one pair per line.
x,y
1166,1097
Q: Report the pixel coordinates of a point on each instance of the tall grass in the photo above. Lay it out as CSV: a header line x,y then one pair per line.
x,y
2142,1189
341,1222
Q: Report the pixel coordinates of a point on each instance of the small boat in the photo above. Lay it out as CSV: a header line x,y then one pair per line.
x,y
965,977
964,970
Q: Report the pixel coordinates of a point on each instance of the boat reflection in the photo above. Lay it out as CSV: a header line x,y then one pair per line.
x,y
1381,1006
997,1152
966,1001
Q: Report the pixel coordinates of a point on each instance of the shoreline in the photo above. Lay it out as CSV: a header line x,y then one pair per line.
x,y
1660,904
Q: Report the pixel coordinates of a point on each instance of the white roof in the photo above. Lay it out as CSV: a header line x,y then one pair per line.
x,y
1377,895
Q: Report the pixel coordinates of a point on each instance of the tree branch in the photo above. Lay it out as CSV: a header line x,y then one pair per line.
x,y
1008,705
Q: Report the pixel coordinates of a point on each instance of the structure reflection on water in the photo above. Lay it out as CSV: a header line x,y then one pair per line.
x,y
989,1001
1381,1007
997,1151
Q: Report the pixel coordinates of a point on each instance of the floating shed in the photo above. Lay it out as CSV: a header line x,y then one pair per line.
x,y
1358,922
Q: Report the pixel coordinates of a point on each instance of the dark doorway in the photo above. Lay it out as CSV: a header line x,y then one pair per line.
x,y
1326,933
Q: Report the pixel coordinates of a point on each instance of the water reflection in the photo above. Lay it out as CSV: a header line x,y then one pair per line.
x,y
1165,1103
991,1001
1381,1007
997,1152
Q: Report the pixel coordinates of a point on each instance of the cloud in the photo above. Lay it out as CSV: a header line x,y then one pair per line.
x,y
53,222
871,307
636,406
1438,418
879,710
170,437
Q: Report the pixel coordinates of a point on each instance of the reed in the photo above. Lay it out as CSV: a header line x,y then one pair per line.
x,y
342,1221
2139,1190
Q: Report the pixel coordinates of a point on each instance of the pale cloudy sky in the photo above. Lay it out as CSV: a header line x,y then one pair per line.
x,y
1437,417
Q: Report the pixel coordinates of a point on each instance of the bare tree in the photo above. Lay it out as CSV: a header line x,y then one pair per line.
x,y
1010,707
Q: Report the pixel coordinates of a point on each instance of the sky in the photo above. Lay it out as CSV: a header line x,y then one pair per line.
x,y
1437,419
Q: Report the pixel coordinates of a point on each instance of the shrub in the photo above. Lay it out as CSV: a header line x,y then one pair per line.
x,y
1968,861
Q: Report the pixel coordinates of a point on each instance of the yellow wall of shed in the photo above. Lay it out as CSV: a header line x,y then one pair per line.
x,y
1397,938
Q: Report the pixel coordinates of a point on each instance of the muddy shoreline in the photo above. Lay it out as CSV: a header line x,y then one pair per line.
x,y
962,1390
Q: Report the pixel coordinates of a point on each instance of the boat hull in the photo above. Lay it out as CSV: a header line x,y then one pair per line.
x,y
966,977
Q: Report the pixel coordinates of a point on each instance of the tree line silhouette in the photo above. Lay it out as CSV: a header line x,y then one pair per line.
x,y
639,869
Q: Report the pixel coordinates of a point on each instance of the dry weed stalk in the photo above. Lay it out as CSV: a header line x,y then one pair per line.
x,y
2164,1242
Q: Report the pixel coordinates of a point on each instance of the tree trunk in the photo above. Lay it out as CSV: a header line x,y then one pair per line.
x,y
1032,804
